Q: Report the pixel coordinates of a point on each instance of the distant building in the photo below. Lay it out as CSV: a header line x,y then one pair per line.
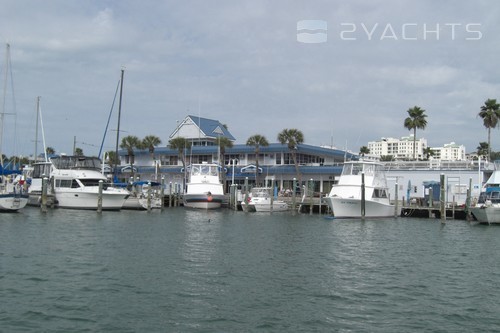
x,y
449,152
201,131
399,149
402,149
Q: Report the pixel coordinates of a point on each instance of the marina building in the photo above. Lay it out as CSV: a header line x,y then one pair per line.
x,y
319,166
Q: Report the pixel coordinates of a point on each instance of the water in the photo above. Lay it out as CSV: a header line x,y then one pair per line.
x,y
183,270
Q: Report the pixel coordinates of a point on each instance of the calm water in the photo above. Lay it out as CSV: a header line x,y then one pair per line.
x,y
182,270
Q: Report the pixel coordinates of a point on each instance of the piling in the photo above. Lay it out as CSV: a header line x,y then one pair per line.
x,y
363,201
294,201
170,195
162,192
246,195
43,202
148,202
311,192
99,197
396,201
442,205
468,201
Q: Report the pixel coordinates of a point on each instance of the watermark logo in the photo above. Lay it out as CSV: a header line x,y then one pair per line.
x,y
312,31
315,31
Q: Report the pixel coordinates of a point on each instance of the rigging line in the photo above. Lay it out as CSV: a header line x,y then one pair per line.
x,y
109,118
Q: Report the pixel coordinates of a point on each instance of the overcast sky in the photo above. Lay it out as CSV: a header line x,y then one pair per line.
x,y
241,62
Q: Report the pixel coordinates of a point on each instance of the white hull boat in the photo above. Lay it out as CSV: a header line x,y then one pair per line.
x,y
204,189
76,184
261,200
487,209
345,198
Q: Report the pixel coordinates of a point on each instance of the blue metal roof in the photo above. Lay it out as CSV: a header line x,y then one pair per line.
x,y
212,128
244,149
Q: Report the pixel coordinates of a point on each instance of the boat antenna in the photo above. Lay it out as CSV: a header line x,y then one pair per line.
x,y
119,115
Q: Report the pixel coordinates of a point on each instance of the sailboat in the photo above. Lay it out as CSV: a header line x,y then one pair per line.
x,y
13,196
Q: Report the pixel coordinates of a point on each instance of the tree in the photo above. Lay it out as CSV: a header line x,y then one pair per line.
x,y
223,144
428,152
257,141
181,145
50,151
483,149
150,142
292,138
416,119
490,113
78,151
112,158
363,151
130,143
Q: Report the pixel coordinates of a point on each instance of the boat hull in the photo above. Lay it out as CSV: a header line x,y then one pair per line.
x,y
487,215
88,200
264,205
12,202
203,201
351,208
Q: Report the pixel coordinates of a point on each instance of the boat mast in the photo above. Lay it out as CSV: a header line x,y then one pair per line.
x,y
119,115
2,114
35,155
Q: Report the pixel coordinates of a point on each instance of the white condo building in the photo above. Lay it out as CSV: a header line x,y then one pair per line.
x,y
402,149
398,148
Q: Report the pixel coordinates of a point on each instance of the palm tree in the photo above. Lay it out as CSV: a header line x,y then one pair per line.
x,y
130,143
483,149
363,151
181,144
292,137
50,151
428,152
490,113
223,144
150,142
415,120
78,151
257,141
112,160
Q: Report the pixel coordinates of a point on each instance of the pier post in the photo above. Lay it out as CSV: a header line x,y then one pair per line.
x,y
468,201
99,197
43,199
396,201
431,201
293,195
170,195
246,196
231,197
363,201
162,192
176,195
311,196
235,196
442,199
149,197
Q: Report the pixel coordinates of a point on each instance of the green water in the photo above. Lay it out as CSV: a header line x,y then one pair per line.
x,y
184,270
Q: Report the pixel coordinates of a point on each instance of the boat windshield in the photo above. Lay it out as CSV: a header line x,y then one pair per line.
x,y
77,162
204,170
41,169
354,169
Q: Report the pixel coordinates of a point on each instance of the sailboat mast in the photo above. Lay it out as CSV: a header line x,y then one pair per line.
x,y
119,115
2,114
36,128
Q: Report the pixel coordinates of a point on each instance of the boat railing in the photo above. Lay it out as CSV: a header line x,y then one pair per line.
x,y
438,165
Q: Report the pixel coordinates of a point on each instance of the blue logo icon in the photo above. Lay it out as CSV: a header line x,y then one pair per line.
x,y
312,31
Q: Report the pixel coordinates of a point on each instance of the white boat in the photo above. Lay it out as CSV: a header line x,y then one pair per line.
x,y
13,195
204,189
76,184
261,199
345,198
487,209
34,176
139,193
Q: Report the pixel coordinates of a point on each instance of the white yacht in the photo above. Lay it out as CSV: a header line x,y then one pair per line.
x,y
345,198
487,209
76,184
261,200
204,189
